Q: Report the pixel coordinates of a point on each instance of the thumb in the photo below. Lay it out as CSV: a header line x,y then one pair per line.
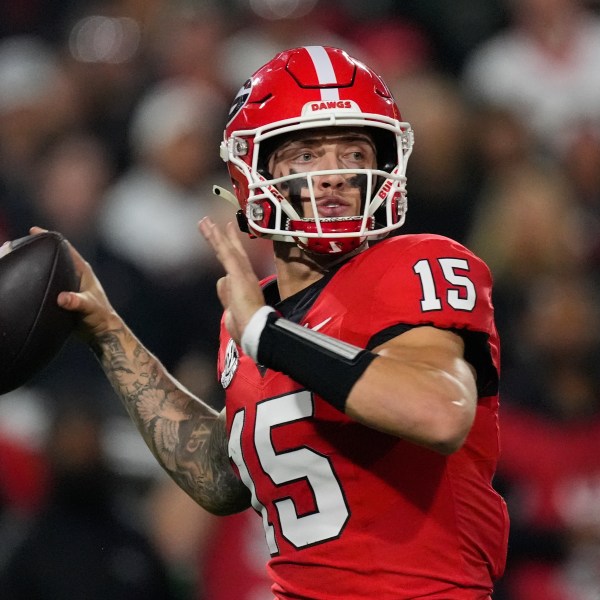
x,y
69,300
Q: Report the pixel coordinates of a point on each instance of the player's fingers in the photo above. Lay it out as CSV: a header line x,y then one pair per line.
x,y
221,244
92,312
212,235
35,230
210,231
92,319
234,238
203,226
70,301
236,243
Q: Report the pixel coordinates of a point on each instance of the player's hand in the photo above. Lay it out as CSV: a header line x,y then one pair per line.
x,y
97,314
239,291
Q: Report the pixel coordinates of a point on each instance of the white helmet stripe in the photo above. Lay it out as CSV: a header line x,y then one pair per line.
x,y
325,72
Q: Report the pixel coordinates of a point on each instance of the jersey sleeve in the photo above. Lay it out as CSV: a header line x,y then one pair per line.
x,y
438,282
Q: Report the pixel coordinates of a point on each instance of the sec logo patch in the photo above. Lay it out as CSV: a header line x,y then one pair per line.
x,y
232,359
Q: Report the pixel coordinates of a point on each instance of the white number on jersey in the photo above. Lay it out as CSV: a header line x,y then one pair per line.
x,y
299,464
462,296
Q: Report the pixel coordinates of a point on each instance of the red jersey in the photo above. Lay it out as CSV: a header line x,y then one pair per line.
x,y
350,512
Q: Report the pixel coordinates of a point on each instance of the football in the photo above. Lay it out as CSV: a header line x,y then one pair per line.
x,y
33,328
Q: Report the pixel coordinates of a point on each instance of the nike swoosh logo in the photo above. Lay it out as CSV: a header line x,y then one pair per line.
x,y
321,324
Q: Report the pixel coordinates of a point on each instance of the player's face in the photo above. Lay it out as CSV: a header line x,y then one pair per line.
x,y
336,194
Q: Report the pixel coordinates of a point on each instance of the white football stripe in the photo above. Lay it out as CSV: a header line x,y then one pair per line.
x,y
325,72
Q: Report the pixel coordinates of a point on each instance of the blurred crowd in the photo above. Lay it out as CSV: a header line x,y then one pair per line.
x,y
111,112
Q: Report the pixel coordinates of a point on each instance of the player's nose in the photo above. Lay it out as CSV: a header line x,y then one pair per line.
x,y
330,162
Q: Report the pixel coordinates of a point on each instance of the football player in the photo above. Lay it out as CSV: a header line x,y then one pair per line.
x,y
361,380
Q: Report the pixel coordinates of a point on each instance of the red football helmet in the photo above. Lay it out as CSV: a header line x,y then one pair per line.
x,y
315,87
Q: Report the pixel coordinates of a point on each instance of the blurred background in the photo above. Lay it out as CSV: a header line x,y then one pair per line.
x,y
110,117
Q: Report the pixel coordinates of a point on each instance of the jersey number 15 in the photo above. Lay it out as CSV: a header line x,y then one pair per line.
x,y
460,296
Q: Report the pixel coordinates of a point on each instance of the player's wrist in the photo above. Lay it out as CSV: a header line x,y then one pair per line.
x,y
251,335
99,333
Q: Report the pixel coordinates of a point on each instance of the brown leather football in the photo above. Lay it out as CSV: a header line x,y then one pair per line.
x,y
33,328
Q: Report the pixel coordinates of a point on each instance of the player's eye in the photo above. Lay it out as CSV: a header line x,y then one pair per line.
x,y
355,157
305,156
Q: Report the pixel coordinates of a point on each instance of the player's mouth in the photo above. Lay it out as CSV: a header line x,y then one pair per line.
x,y
333,207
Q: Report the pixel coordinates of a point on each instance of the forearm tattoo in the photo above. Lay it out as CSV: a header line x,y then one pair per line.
x,y
187,437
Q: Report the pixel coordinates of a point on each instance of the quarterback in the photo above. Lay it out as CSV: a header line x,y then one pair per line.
x,y
361,379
